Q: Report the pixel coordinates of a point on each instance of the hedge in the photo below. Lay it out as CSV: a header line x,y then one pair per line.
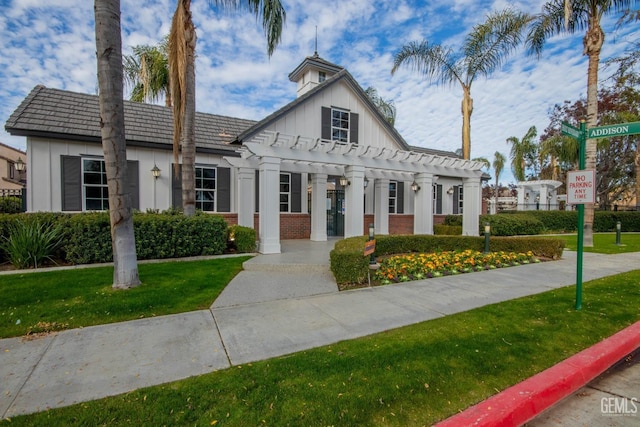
x,y
350,266
87,236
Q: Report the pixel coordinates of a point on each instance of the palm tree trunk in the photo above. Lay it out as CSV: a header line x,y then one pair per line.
x,y
467,110
592,42
110,83
188,134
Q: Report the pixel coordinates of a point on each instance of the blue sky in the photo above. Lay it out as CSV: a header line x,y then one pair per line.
x,y
53,43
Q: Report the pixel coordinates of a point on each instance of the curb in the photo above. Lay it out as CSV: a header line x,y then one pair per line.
x,y
524,401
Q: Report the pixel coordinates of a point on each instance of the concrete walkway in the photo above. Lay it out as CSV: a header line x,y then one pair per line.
x,y
279,305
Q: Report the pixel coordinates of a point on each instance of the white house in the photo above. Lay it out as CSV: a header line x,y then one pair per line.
x,y
325,164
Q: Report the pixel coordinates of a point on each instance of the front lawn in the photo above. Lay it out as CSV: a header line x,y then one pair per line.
x,y
54,300
605,243
411,376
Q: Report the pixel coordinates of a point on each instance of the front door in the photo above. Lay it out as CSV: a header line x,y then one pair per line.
x,y
335,213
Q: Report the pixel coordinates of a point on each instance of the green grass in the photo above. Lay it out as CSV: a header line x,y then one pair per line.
x,y
40,302
605,243
415,375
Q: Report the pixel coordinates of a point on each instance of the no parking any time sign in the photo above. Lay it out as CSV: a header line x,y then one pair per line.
x,y
581,187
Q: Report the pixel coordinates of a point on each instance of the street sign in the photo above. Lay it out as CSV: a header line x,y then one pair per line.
x,y
581,187
569,130
613,130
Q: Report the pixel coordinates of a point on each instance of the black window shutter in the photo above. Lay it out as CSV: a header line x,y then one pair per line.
x,y
71,183
257,191
456,199
438,189
326,124
400,197
296,192
223,189
133,181
176,185
353,128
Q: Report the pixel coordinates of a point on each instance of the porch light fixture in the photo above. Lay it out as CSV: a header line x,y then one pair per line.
x,y
155,171
415,187
20,165
366,182
344,181
450,191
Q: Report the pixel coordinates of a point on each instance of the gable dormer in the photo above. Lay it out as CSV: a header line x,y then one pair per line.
x,y
311,72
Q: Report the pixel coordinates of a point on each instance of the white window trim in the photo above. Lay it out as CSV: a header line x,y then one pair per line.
x,y
215,187
84,185
394,198
288,193
347,129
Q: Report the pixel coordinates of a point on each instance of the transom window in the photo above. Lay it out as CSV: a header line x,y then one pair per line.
x,y
393,197
339,125
285,192
205,189
94,185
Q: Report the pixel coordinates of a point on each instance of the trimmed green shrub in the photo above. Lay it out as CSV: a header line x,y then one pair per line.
x,y
606,221
350,266
453,220
242,239
447,230
10,205
511,225
29,243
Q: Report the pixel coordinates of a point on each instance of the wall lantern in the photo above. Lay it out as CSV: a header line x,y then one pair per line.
x,y
155,171
450,191
366,182
20,165
344,181
415,187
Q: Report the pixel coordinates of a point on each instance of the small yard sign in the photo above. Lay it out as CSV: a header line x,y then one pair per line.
x,y
369,247
581,187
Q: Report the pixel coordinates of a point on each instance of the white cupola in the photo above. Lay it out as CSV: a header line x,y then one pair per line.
x,y
311,72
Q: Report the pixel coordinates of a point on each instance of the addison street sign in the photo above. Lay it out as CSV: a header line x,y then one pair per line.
x,y
614,130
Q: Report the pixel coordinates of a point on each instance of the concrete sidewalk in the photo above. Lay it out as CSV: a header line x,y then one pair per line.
x,y
263,313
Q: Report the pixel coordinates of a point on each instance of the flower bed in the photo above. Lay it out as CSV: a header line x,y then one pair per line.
x,y
404,268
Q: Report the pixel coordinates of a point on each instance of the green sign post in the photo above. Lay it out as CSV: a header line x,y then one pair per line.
x,y
582,134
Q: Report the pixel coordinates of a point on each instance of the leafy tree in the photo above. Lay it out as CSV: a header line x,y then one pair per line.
x,y
571,16
485,49
182,78
386,108
498,165
147,71
110,83
524,153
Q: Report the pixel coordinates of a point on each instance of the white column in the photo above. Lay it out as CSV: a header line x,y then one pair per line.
x,y
471,206
381,207
269,205
246,196
354,201
544,201
319,207
423,205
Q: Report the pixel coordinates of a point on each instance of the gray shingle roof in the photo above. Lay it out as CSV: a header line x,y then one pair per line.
x,y
58,113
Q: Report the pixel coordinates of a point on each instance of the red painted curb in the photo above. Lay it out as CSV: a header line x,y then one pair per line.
x,y
523,401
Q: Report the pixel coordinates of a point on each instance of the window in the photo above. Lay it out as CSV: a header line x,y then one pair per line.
x,y
11,167
205,189
460,199
285,192
393,197
322,76
339,125
95,191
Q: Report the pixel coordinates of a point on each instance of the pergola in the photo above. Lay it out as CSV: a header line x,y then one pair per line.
x,y
273,152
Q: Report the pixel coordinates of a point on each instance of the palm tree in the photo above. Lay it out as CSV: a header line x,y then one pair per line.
x,y
484,50
147,71
522,151
572,16
182,46
498,165
110,83
386,108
